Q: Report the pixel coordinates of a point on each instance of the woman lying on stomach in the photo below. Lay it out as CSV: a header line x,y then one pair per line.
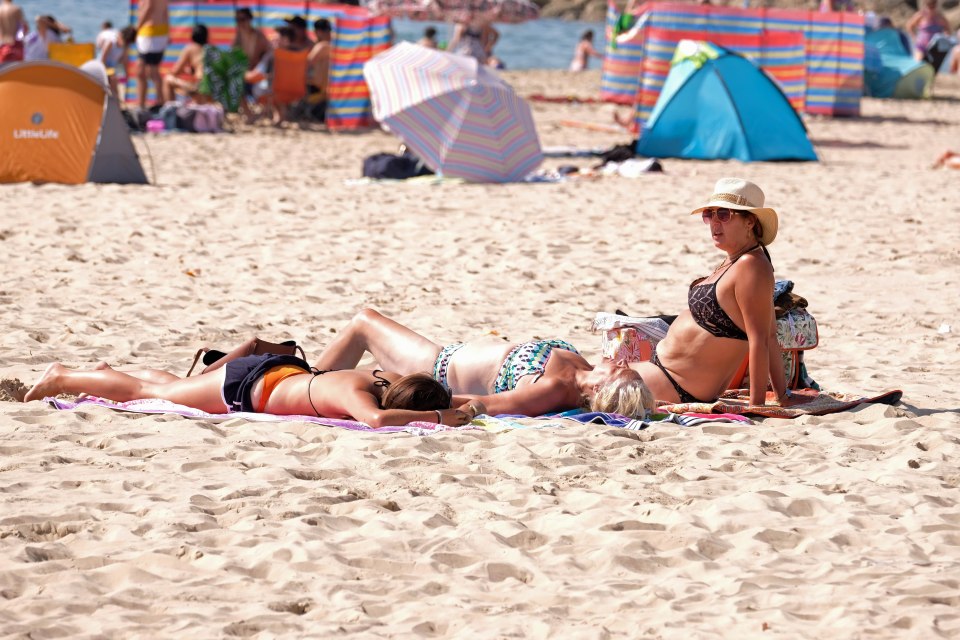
x,y
527,378
730,312
280,385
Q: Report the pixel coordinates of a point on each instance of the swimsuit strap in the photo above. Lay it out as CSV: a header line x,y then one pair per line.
x,y
316,372
380,380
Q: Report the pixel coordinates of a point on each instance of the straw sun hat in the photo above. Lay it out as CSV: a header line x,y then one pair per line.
x,y
743,195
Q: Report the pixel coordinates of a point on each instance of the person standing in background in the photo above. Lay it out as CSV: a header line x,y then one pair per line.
x,y
36,46
153,36
583,51
429,39
112,51
924,24
12,27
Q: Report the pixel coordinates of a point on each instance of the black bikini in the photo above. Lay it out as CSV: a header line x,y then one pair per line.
x,y
708,314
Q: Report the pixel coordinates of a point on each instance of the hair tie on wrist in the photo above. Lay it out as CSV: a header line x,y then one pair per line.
x,y
439,416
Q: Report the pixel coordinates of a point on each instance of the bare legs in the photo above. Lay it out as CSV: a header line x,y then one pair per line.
x,y
200,392
145,72
149,375
395,347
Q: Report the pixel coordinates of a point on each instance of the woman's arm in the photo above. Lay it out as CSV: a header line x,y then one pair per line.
x,y
912,23
455,38
362,406
490,38
106,50
544,396
754,293
181,62
777,377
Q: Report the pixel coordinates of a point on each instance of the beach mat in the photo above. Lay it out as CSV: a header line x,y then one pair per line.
x,y
803,402
483,422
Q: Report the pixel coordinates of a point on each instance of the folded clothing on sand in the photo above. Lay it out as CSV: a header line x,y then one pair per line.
x,y
803,402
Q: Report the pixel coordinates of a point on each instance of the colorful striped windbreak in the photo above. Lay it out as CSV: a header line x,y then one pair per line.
x,y
357,36
816,58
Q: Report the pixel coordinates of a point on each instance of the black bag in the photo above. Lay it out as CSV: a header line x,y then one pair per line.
x,y
393,167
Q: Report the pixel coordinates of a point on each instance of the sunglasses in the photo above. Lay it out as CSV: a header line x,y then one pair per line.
x,y
723,215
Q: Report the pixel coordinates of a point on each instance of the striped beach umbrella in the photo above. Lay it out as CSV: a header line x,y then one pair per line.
x,y
457,116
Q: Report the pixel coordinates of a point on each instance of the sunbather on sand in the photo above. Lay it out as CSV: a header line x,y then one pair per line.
x,y
280,385
730,313
949,159
530,378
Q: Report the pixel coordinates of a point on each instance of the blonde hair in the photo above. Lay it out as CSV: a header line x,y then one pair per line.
x,y
627,395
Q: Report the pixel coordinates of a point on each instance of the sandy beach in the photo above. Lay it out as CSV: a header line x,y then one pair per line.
x,y
117,525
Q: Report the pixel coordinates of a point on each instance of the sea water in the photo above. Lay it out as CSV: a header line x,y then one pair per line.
x,y
540,44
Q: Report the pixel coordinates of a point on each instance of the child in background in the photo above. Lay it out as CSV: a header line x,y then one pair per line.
x,y
583,51
112,48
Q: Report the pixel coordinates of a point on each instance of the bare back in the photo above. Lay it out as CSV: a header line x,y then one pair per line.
x,y
254,44
153,13
324,396
11,18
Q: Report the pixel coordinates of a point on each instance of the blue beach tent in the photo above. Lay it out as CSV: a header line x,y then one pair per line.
x,y
716,104
889,71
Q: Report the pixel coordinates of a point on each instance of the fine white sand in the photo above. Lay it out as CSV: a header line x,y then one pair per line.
x,y
132,526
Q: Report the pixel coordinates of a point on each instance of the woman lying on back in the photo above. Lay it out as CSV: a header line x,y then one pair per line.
x,y
730,312
528,378
281,385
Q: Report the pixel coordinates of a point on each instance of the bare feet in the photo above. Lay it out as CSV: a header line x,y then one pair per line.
x,y
945,158
47,384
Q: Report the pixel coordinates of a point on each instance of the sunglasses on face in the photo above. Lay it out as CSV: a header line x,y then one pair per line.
x,y
722,215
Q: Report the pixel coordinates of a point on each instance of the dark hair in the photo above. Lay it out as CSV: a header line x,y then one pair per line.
x,y
757,227
51,23
200,35
416,392
430,32
285,32
322,25
244,12
106,25
128,35
587,35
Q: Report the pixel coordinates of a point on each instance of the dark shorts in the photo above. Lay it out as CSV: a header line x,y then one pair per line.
x,y
152,59
243,373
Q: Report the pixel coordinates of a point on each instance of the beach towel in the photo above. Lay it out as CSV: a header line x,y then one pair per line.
x,y
165,406
223,76
804,402
483,422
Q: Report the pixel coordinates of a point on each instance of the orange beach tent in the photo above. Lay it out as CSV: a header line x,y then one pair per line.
x,y
59,124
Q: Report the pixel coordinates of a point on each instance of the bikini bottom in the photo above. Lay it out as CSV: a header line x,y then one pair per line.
x,y
243,373
442,363
685,396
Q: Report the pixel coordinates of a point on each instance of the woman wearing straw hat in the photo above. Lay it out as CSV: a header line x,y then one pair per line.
x,y
730,312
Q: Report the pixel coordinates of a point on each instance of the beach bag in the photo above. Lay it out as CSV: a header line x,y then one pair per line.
x,y
630,339
796,332
389,166
214,359
200,118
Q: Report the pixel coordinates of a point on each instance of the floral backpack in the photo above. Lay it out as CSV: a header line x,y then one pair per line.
x,y
630,339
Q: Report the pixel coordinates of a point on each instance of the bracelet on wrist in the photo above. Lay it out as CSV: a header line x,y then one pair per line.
x,y
439,416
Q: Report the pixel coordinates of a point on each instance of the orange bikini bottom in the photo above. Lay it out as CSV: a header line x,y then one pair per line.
x,y
272,378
